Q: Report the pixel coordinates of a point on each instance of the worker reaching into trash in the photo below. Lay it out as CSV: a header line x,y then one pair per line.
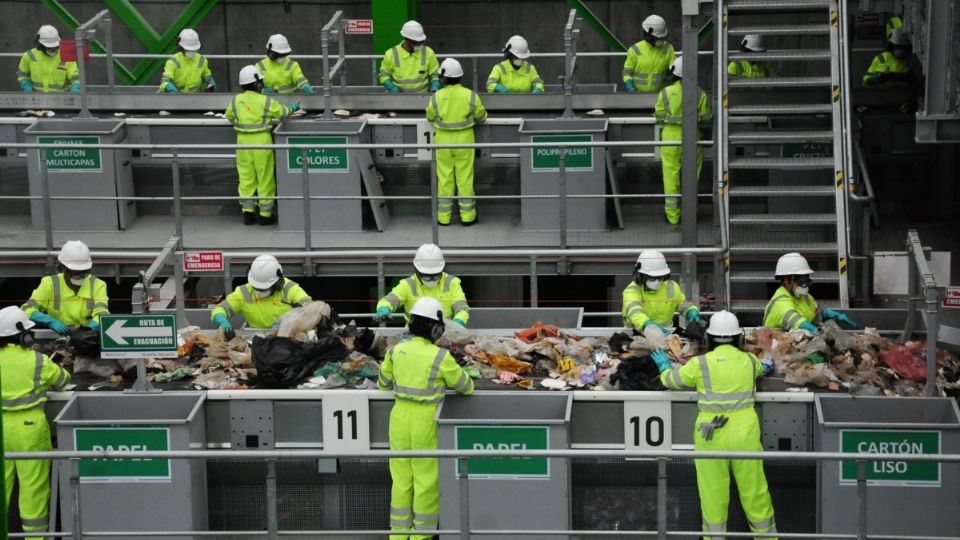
x,y
792,307
187,71
73,296
751,69
648,61
652,298
669,112
25,376
419,373
515,73
725,380
454,110
282,74
411,66
262,300
253,116
430,281
896,65
41,69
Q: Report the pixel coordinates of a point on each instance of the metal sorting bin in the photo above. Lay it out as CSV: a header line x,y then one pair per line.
x,y
903,498
332,171
501,486
86,172
585,170
135,495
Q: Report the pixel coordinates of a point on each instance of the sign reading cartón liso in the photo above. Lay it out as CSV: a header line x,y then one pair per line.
x,y
891,472
505,438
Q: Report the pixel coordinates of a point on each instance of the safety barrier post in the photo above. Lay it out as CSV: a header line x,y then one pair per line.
x,y
177,196
181,301
82,70
861,500
570,35
464,498
227,275
305,177
534,290
476,77
47,211
271,483
434,204
661,499
563,198
75,488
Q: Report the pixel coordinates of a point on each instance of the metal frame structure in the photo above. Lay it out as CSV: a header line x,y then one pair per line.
x,y
922,287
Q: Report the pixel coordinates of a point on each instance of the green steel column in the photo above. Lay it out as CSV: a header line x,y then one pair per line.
x,y
598,25
388,18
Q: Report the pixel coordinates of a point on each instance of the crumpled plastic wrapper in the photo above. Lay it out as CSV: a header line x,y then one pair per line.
x,y
300,320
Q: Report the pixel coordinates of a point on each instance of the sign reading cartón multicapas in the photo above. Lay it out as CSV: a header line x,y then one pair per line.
x,y
138,336
62,158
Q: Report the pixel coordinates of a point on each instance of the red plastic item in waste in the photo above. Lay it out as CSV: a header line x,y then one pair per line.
x,y
907,360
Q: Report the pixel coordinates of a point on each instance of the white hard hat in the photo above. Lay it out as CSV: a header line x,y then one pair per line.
x,y
677,67
518,47
753,42
413,31
451,68
792,264
264,272
48,36
899,38
249,74
429,308
75,255
724,324
655,25
653,263
429,259
13,321
278,43
189,39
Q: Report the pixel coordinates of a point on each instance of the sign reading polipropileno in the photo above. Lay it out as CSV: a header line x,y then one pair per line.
x,y
505,438
123,439
578,158
138,336
321,158
893,441
72,159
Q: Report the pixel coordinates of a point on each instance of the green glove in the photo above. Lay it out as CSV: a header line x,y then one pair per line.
x,y
391,87
382,314
461,322
223,323
832,315
93,325
51,322
499,88
537,90
660,358
434,85
630,86
308,90
26,85
75,87
170,88
693,315
269,90
808,327
658,325
294,107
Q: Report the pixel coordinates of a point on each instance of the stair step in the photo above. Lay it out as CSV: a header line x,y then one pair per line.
x,y
783,163
780,30
760,276
786,55
801,219
791,5
794,108
773,137
779,82
773,246
782,191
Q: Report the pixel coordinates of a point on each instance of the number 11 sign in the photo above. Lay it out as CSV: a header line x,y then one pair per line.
x,y
346,422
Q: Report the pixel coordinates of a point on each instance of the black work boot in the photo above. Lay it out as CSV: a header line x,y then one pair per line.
x,y
249,218
267,220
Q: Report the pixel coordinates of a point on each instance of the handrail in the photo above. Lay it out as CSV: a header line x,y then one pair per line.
x,y
84,32
720,169
571,34
920,275
334,26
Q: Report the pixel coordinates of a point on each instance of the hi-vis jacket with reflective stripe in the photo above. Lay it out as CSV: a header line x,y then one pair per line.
x,y
640,305
750,70
448,292
253,112
47,73
187,74
647,66
725,379
455,108
25,376
786,311
411,72
284,76
522,79
55,298
669,107
262,312
419,371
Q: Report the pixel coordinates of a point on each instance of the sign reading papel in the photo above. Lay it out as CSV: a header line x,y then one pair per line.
x,y
505,438
138,336
123,439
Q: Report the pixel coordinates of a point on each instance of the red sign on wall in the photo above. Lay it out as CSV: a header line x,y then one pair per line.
x,y
951,297
359,26
203,261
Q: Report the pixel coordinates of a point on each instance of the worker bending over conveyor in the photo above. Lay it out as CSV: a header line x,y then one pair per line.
x,y
262,300
430,281
792,307
411,66
73,296
652,298
187,71
42,70
515,73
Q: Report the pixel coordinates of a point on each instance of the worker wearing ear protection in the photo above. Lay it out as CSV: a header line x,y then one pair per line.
x,y
282,74
262,300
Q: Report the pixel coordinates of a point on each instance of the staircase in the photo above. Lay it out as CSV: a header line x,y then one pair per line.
x,y
783,171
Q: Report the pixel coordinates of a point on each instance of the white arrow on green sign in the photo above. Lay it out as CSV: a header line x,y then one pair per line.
x,y
138,336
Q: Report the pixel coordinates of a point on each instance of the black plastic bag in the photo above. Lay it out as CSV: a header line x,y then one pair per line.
x,y
285,362
637,374
85,341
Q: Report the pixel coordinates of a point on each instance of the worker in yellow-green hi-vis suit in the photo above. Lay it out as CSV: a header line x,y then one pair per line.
x,y
41,69
411,66
262,300
73,296
648,61
419,373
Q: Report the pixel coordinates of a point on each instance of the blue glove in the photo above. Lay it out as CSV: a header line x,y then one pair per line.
x,y
382,314
308,90
767,364
93,325
223,323
50,322
269,90
170,88
658,325
659,357
461,322
434,85
294,107
537,90
808,327
832,315
75,87
630,86
501,89
694,316
391,87
26,85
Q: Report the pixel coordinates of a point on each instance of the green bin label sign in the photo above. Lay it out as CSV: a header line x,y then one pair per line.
x,y
578,158
138,336
321,158
123,439
891,473
72,159
505,438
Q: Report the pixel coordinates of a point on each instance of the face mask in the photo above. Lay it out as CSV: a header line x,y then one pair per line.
x,y
899,54
189,54
430,283
51,52
660,42
654,284
516,62
418,47
802,291
77,281
263,294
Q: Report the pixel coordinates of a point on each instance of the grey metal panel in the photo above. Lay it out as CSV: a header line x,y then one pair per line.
x,y
523,317
251,425
596,422
298,422
217,415
786,426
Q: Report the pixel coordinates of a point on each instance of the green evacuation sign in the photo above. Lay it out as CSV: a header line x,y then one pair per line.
x,y
321,158
123,439
72,159
505,438
807,150
548,158
138,336
891,473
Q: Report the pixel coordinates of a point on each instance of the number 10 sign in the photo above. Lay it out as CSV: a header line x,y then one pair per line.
x,y
646,425
346,422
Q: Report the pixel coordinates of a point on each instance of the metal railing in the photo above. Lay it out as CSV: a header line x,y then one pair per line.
x,y
922,287
463,457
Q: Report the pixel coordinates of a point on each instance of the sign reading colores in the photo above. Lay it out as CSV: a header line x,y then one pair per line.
x,y
62,158
359,26
951,297
547,158
123,439
138,336
646,425
346,422
321,156
504,438
893,441
203,261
